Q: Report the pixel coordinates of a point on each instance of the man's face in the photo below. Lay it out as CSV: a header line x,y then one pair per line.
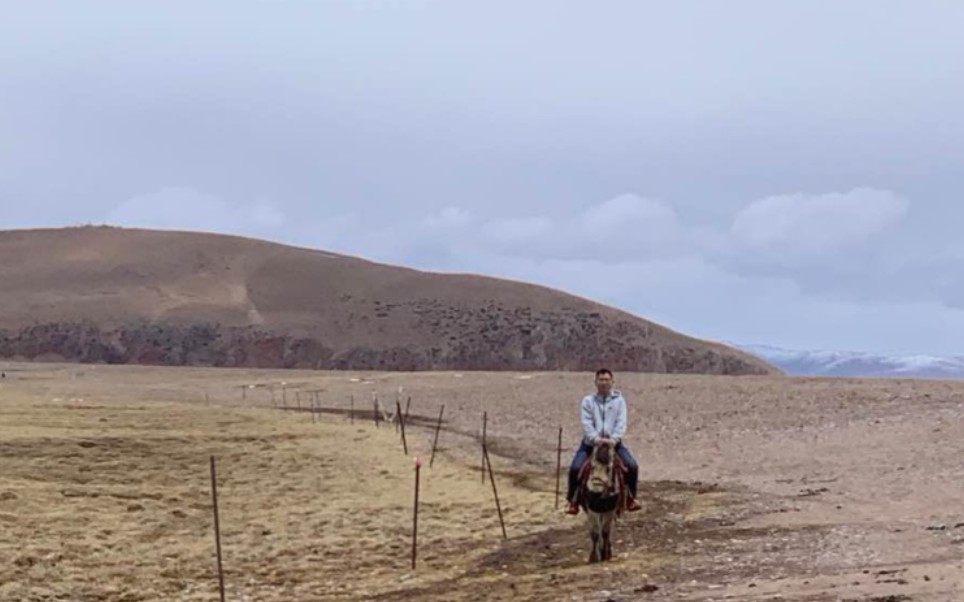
x,y
604,384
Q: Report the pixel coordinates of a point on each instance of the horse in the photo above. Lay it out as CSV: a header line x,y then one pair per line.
x,y
602,494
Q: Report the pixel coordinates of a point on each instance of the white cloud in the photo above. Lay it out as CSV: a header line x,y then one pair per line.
x,y
627,214
446,219
623,227
427,241
171,208
638,254
189,209
266,215
778,230
799,227
517,231
787,231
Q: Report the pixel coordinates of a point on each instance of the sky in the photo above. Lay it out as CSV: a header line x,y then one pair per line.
x,y
784,173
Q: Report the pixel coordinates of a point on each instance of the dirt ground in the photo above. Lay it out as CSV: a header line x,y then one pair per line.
x,y
754,488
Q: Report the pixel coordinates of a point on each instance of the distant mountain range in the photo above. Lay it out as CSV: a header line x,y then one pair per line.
x,y
856,363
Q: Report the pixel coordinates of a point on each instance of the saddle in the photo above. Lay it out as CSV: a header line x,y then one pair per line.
x,y
613,499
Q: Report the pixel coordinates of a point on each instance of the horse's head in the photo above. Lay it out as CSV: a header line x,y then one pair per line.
x,y
603,454
601,469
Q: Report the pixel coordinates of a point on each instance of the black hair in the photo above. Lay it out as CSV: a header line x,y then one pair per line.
x,y
602,371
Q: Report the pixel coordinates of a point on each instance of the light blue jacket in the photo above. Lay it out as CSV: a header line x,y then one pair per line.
x,y
603,417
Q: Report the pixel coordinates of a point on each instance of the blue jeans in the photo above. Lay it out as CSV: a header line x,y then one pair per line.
x,y
632,468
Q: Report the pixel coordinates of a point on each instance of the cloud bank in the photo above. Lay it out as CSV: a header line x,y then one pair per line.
x,y
179,207
824,259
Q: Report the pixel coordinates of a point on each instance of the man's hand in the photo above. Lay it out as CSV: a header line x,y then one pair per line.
x,y
605,441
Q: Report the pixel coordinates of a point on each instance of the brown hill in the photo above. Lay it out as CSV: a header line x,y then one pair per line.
x,y
101,294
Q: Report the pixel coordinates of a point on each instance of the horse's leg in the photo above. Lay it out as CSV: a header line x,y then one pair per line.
x,y
607,543
595,554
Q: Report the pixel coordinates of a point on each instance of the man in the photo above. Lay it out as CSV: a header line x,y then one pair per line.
x,y
603,421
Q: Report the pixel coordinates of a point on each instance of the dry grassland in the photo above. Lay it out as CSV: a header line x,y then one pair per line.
x,y
754,488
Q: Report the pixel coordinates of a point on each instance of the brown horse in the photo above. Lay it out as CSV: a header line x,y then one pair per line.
x,y
603,496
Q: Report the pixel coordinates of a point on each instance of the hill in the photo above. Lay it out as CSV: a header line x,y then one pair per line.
x,y
103,294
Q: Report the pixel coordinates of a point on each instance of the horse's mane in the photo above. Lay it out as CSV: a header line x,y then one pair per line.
x,y
602,454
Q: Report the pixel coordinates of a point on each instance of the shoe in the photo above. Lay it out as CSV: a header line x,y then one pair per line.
x,y
572,508
632,505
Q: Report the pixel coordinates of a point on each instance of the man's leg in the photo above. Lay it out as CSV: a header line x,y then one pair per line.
x,y
632,475
577,461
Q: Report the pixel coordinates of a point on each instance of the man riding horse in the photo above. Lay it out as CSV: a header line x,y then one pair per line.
x,y
604,423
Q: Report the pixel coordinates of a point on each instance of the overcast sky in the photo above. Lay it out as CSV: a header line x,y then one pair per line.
x,y
788,173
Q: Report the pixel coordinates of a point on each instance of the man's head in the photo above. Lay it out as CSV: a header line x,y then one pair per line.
x,y
604,381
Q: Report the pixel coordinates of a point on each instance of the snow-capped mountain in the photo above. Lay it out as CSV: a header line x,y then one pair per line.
x,y
858,363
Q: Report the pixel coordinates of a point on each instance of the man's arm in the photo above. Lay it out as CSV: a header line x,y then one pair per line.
x,y
589,429
620,430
